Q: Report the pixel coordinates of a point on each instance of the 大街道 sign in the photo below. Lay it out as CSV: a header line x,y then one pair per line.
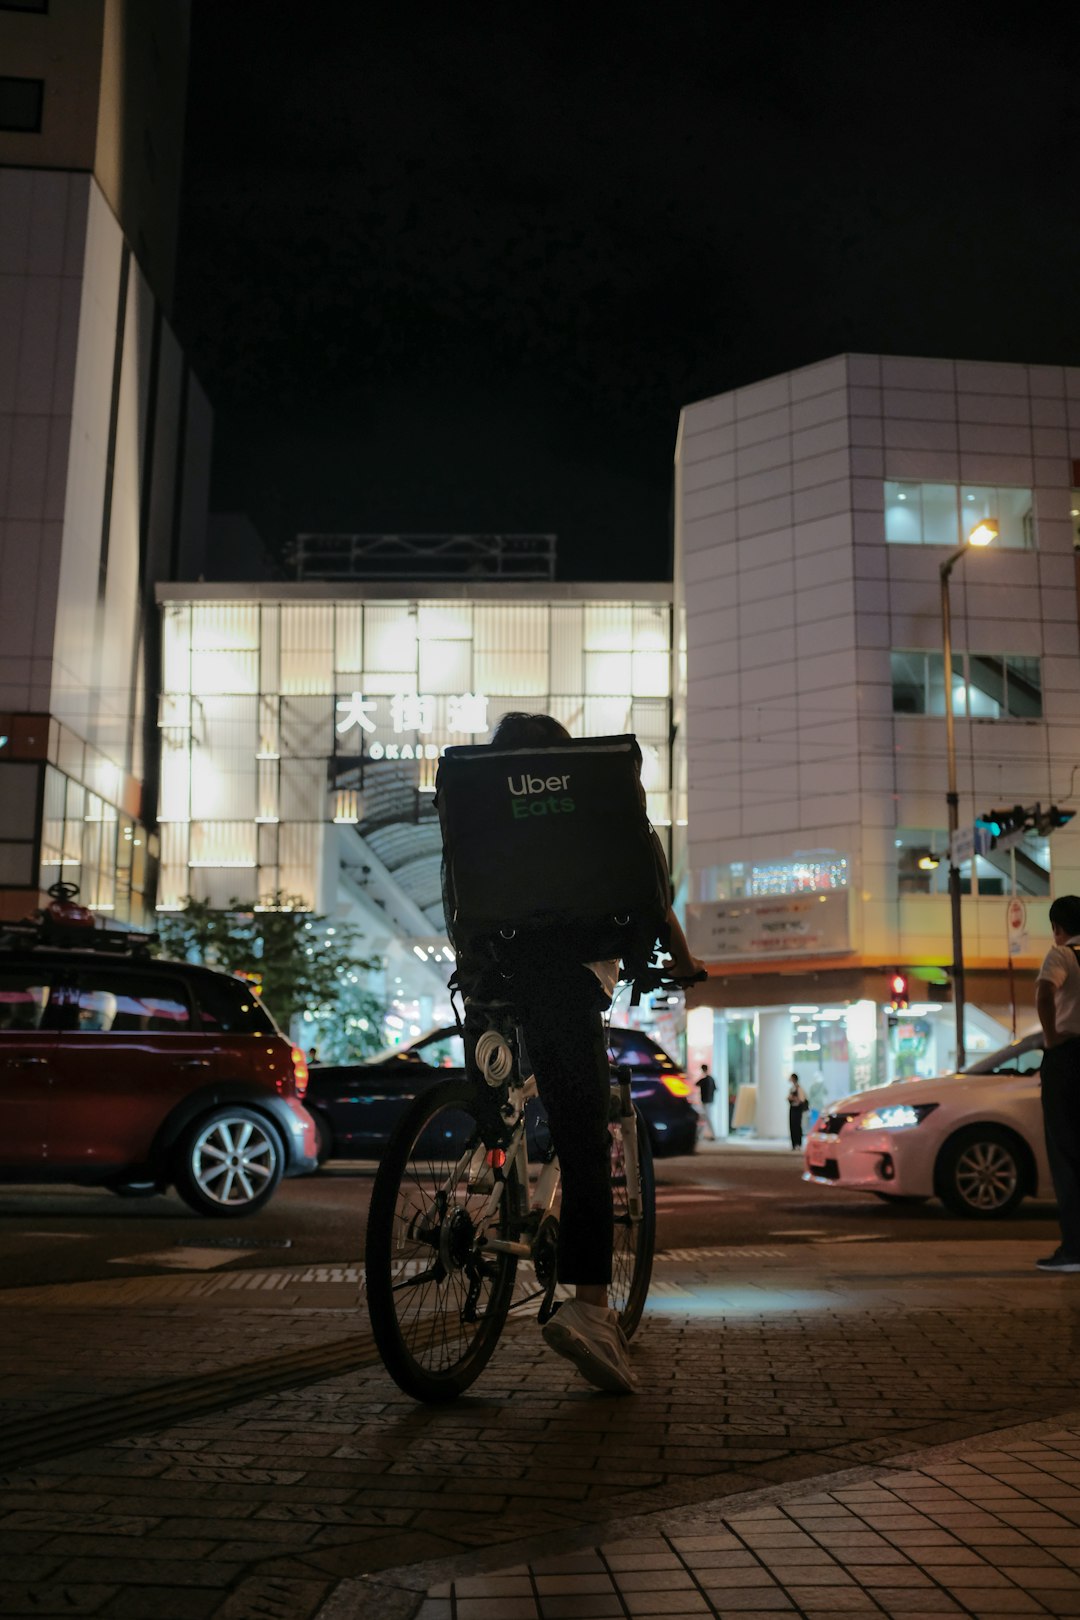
x,y
412,715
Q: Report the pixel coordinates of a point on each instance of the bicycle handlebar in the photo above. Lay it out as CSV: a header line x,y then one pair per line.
x,y
658,979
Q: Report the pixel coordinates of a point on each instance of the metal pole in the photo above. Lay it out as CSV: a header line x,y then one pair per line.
x,y
1012,996
954,815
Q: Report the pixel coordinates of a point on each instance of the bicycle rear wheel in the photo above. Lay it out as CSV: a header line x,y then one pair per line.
x,y
437,1303
635,1241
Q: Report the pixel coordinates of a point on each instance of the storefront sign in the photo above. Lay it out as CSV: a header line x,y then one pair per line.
x,y
777,926
412,712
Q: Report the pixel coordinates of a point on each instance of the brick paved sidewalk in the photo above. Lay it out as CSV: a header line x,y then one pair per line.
x,y
760,1367
986,1529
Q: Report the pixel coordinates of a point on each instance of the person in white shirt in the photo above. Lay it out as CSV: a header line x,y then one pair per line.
x,y
1057,1000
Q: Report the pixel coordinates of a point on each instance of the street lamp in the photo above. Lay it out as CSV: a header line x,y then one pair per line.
x,y
983,534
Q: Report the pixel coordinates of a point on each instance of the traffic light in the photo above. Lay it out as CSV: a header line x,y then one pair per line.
x,y
1005,823
899,986
1047,820
1007,827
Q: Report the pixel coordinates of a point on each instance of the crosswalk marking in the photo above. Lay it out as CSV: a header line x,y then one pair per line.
x,y
66,1236
177,1259
730,1253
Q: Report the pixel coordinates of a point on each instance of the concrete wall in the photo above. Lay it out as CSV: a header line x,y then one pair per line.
x,y
766,550
140,128
104,462
115,78
63,47
43,219
794,600
977,424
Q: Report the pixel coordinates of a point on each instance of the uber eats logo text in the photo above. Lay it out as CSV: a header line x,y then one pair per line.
x,y
524,803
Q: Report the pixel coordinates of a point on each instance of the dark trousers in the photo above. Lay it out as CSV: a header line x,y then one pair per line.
x,y
1061,1122
795,1125
564,1037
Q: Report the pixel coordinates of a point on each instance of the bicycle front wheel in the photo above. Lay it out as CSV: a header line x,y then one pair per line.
x,y
437,1302
635,1239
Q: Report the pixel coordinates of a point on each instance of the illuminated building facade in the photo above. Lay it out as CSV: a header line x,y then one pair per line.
x,y
301,728
813,513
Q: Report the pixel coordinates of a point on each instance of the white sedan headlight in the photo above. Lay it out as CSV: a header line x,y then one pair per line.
x,y
896,1117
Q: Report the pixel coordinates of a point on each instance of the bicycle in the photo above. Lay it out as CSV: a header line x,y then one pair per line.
x,y
453,1212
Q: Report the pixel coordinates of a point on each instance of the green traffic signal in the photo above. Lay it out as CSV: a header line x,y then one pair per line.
x,y
1021,818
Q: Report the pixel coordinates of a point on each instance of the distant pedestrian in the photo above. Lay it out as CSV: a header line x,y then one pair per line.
x,y
1057,999
707,1092
797,1104
313,1056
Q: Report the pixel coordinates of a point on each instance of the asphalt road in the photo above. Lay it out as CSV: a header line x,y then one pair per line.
x,y
728,1197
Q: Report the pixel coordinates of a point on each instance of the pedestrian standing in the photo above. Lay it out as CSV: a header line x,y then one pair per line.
x,y
1057,1000
797,1104
706,1092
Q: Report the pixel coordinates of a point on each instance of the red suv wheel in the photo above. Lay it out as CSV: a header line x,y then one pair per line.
x,y
229,1162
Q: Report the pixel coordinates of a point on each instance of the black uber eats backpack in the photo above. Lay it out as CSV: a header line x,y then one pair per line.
x,y
550,848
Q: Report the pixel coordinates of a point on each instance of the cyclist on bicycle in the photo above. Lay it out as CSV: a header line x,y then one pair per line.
x,y
560,1003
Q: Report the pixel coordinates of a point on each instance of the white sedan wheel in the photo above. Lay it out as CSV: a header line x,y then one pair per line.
x,y
980,1174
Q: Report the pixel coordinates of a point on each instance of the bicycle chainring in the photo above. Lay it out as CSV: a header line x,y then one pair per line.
x,y
545,1256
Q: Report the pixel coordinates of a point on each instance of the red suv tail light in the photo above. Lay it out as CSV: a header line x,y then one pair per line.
x,y
676,1084
300,1070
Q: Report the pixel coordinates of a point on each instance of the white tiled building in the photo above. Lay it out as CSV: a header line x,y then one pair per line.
x,y
104,438
813,512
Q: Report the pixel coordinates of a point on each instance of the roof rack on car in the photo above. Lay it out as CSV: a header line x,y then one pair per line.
x,y
65,925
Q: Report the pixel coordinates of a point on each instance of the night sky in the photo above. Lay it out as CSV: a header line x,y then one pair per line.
x,y
457,267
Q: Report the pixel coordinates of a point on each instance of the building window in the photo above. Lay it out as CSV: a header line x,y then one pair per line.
x,y
985,686
20,104
944,514
922,865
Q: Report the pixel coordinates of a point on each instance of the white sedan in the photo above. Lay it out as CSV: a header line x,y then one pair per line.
x,y
974,1140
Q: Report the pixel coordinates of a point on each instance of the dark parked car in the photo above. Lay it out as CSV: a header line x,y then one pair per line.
x,y
356,1106
133,1073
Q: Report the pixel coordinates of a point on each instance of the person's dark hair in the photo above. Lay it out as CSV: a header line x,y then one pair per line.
x,y
1065,913
520,730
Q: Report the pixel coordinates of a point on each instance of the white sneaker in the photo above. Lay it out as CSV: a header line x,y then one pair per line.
x,y
591,1336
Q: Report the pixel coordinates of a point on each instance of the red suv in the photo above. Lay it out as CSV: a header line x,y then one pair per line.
x,y
129,1072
